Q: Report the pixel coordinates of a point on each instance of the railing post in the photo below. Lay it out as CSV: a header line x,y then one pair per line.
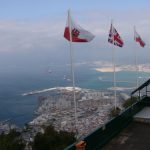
x,y
139,94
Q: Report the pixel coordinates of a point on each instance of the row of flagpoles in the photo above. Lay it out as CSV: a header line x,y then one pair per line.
x,y
75,33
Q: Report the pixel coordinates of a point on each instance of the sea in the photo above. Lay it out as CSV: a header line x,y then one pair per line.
x,y
18,109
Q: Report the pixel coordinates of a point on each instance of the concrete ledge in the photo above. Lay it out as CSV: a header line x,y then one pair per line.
x,y
143,116
142,120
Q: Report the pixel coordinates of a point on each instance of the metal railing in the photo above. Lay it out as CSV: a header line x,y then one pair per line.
x,y
102,135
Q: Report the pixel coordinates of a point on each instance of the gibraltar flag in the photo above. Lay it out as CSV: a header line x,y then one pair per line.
x,y
78,33
138,39
114,37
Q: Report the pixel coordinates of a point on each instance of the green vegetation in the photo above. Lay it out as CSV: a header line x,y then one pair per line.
x,y
11,141
53,140
129,102
115,112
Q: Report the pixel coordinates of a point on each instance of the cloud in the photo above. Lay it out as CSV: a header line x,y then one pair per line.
x,y
17,35
46,36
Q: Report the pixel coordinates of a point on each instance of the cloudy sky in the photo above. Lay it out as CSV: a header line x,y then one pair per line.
x,y
31,31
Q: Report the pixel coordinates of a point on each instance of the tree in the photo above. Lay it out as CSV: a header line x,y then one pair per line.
x,y
53,140
11,141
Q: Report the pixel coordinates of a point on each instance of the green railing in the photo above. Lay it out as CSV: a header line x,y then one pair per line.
x,y
98,138
102,135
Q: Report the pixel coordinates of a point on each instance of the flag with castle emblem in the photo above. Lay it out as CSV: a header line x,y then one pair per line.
x,y
78,33
114,37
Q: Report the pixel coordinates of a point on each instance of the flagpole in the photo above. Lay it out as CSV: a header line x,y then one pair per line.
x,y
114,76
72,72
136,63
114,67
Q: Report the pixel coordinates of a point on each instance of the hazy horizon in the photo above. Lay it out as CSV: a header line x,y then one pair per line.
x,y
31,32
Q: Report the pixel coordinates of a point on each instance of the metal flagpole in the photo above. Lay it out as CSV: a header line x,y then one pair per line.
x,y
72,72
114,65
136,63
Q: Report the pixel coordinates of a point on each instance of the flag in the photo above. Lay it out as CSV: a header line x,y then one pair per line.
x,y
78,33
138,39
114,37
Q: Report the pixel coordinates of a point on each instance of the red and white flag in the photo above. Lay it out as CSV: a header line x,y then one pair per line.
x,y
114,37
138,39
78,33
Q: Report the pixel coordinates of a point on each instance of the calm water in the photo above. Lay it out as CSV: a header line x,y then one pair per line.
x,y
13,83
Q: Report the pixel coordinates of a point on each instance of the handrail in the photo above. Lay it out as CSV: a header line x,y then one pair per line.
x,y
141,87
100,136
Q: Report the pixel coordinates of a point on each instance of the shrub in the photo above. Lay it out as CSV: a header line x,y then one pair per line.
x,y
115,112
129,102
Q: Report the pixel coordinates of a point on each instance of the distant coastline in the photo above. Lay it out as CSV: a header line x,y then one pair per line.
x,y
108,68
19,107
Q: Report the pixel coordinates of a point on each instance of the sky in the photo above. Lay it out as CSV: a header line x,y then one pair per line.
x,y
31,31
